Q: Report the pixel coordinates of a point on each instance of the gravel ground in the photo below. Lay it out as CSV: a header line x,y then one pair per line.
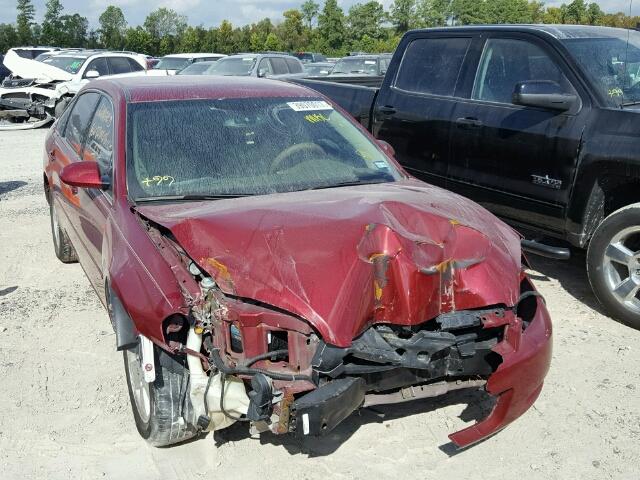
x,y
66,412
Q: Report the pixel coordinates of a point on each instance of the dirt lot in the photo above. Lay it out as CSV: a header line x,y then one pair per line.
x,y
66,415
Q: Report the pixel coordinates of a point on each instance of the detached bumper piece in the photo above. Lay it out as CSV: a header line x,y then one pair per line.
x,y
319,412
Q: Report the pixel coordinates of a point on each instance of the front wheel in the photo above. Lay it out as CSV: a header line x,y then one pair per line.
x,y
158,407
613,264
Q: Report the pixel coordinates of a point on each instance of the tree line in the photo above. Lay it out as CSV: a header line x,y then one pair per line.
x,y
323,28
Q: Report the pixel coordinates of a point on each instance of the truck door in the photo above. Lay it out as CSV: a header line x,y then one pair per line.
x,y
517,161
414,109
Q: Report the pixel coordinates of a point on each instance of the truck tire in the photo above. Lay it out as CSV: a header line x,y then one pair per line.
x,y
61,243
158,406
613,264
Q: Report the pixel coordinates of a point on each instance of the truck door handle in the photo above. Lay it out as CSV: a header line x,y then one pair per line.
x,y
468,122
387,110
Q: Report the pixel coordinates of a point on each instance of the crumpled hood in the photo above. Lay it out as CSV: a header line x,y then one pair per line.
x,y
27,68
344,258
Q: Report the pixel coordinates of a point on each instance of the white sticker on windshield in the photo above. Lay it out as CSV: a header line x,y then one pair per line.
x,y
309,106
381,165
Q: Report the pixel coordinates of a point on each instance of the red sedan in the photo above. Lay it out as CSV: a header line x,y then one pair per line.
x,y
263,259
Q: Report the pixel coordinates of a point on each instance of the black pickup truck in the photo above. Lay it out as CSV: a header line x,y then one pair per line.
x,y
540,124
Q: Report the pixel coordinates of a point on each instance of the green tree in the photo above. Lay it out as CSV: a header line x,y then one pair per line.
x,y
468,12
309,11
225,37
595,15
536,11
553,15
575,12
139,40
8,37
403,15
24,21
112,27
51,23
433,13
73,30
365,20
507,11
165,22
259,33
331,33
291,31
272,43
193,40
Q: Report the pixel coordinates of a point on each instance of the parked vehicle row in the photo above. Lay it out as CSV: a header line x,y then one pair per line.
x,y
262,258
539,124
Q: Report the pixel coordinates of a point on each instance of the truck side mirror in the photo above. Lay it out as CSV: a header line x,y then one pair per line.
x,y
263,72
543,94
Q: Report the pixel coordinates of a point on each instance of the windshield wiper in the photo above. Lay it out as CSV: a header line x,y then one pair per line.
x,y
190,198
350,184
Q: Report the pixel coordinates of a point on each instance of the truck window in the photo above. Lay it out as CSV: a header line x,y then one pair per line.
x,y
506,62
79,119
432,65
99,144
279,66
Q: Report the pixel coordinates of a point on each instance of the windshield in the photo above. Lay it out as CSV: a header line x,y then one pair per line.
x,y
68,64
357,65
172,63
195,68
237,66
318,69
246,146
612,66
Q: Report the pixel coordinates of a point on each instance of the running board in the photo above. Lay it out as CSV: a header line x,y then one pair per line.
x,y
557,253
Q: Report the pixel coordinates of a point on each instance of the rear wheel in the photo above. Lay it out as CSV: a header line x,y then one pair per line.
x,y
61,243
158,407
613,264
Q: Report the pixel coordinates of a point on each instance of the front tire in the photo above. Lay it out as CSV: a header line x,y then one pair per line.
x,y
159,407
61,244
613,264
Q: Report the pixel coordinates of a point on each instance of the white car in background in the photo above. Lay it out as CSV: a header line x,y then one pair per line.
x,y
175,62
38,91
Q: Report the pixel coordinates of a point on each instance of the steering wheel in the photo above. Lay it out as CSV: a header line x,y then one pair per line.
x,y
293,152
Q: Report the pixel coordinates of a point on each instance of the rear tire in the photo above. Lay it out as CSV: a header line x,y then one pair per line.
x,y
159,407
61,243
613,264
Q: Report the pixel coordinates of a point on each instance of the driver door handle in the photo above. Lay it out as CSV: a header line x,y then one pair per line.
x,y
468,122
387,110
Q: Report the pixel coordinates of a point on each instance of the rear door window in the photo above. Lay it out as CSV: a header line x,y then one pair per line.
x,y
432,65
134,66
279,66
79,119
119,65
98,146
294,65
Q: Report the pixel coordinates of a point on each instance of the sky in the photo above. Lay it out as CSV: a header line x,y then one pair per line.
x,y
212,12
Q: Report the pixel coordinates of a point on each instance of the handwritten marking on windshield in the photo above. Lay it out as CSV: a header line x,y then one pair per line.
x,y
615,92
158,180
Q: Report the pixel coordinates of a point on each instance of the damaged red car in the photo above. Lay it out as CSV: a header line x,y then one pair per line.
x,y
262,258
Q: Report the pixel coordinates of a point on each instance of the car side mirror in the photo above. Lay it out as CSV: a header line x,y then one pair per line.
x,y
83,175
386,148
91,74
263,73
543,94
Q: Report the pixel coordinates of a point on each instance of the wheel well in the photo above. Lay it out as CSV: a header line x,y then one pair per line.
x,y
47,188
619,192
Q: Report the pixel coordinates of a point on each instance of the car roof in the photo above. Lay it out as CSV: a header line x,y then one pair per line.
x,y
187,87
194,55
361,57
560,32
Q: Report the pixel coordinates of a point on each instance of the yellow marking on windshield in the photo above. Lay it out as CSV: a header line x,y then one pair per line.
x,y
315,118
615,92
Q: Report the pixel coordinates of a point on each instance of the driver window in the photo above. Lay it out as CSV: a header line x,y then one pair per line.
x,y
99,144
265,65
506,62
99,65
79,119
